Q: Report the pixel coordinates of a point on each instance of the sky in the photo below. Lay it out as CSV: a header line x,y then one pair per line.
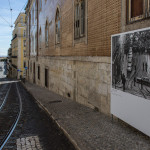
x,y
5,21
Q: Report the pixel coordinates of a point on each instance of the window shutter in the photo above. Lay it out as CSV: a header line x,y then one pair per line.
x,y
82,28
136,8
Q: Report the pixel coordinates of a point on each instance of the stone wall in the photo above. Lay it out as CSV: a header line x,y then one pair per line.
x,y
79,69
83,79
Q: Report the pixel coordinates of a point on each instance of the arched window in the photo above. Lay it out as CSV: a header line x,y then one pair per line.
x,y
46,34
57,26
79,18
40,39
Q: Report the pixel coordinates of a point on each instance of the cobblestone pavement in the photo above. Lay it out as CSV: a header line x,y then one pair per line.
x,y
35,130
89,129
29,143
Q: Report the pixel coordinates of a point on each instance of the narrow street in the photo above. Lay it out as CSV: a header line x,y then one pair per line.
x,y
23,125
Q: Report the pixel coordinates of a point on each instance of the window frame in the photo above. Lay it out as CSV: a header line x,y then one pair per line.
x,y
77,19
146,12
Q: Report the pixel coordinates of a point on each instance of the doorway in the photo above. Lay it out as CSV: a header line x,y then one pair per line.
x,y
46,77
34,72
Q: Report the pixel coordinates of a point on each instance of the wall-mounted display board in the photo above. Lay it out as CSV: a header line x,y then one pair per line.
x,y
130,89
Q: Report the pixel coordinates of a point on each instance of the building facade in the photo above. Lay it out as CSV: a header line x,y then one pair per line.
x,y
69,48
19,47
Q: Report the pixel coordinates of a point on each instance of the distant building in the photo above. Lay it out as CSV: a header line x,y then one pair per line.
x,y
19,47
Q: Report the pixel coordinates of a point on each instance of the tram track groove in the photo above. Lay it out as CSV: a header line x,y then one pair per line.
x,y
4,101
14,124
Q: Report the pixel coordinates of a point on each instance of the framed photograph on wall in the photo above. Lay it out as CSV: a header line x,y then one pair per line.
x,y
130,89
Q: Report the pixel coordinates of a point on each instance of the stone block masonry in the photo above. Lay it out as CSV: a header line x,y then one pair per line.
x,y
83,79
78,67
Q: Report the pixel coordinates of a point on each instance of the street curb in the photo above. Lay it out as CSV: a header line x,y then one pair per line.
x,y
53,118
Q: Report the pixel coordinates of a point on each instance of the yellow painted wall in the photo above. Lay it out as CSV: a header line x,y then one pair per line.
x,y
18,46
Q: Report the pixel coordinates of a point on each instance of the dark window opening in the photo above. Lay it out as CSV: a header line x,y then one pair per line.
x,y
39,72
57,26
46,77
24,64
136,8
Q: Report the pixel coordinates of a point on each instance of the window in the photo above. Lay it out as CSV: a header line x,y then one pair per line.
x,y
46,34
30,66
24,64
24,33
24,43
32,44
40,5
79,23
33,16
57,25
138,9
24,53
39,72
40,38
36,10
36,42
21,20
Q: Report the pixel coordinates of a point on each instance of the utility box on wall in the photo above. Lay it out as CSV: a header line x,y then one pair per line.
x,y
130,91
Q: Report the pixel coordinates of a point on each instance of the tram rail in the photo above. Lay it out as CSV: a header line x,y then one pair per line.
x,y
6,134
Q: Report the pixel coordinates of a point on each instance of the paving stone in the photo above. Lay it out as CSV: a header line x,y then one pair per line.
x,y
28,143
91,130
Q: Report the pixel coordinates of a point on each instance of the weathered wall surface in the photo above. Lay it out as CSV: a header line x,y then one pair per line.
x,y
78,69
83,79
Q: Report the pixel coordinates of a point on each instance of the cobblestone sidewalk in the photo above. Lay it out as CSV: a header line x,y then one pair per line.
x,y
88,129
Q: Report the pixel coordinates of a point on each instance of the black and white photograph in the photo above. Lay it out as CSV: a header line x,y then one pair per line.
x,y
131,63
